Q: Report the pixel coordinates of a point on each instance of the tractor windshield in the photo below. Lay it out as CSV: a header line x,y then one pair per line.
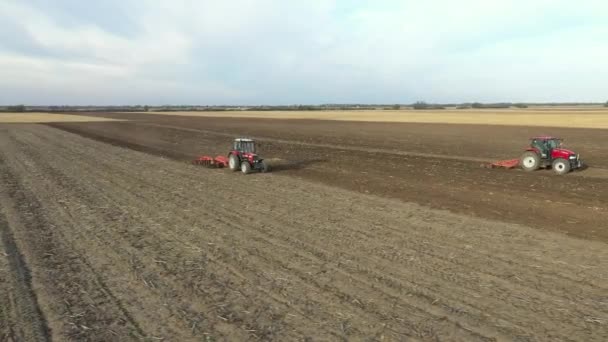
x,y
554,143
245,146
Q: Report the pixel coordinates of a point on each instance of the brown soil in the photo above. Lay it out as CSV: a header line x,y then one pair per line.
x,y
124,245
433,165
474,141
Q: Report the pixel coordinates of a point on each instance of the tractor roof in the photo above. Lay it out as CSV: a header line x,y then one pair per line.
x,y
544,137
243,140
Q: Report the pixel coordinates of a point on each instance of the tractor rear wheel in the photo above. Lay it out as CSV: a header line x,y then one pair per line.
x,y
561,166
265,167
245,167
529,161
233,162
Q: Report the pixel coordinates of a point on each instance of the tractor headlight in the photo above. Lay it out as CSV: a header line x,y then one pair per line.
x,y
573,157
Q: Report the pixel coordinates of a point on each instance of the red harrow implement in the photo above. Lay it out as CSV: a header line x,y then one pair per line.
x,y
217,162
505,164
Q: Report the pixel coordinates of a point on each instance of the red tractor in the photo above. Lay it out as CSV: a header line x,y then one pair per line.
x,y
547,151
244,157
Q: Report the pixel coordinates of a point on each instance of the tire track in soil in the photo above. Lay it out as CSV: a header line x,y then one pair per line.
x,y
118,177
78,298
26,321
7,310
61,187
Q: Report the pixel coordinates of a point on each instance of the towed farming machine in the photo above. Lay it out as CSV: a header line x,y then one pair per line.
x,y
543,152
243,157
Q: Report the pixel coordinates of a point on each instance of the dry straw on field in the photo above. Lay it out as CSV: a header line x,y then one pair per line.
x,y
46,117
545,118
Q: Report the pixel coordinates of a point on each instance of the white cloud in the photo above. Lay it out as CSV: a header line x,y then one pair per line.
x,y
271,51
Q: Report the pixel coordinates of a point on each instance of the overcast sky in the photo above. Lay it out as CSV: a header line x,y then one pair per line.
x,y
301,52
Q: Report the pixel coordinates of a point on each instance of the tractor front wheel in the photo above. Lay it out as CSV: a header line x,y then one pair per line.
x,y
245,167
561,166
233,162
530,161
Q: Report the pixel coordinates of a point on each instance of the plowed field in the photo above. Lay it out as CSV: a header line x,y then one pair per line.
x,y
117,238
430,164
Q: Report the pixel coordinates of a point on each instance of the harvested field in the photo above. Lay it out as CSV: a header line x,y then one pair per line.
x,y
48,117
124,245
541,117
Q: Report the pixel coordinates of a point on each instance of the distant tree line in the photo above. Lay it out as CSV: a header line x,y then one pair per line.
x,y
15,109
475,105
478,105
285,108
393,107
421,105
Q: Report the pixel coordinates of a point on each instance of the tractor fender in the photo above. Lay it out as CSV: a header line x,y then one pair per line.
x,y
538,152
533,149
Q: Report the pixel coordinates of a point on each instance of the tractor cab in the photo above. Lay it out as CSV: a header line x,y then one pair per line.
x,y
545,145
244,145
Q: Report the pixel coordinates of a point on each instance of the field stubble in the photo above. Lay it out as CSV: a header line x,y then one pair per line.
x,y
566,118
48,117
297,260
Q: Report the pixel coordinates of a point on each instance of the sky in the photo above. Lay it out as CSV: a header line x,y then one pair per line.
x,y
276,52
